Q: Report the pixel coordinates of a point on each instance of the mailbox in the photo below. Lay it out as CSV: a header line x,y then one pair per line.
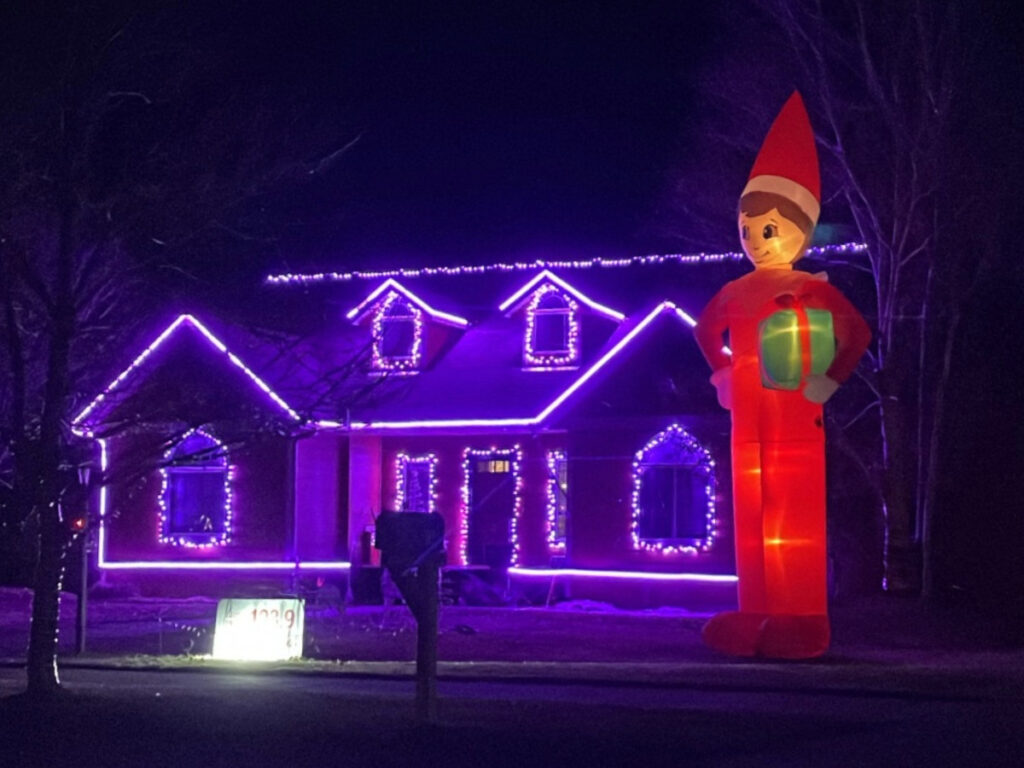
x,y
409,539
411,547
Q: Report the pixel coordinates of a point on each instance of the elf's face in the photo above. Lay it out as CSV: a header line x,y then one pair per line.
x,y
771,241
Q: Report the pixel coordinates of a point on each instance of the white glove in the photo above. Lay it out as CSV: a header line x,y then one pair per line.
x,y
722,379
820,388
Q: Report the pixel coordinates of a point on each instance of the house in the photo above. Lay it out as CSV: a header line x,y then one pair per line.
x,y
556,414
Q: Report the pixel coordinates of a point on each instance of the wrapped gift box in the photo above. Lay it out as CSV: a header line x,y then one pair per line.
x,y
793,343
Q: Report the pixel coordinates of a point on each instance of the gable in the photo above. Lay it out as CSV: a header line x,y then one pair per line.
x,y
405,332
547,280
186,372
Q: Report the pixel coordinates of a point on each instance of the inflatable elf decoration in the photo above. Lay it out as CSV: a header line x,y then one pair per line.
x,y
794,339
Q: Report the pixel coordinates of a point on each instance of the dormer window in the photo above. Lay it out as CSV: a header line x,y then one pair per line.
x,y
553,310
400,323
552,329
551,325
397,335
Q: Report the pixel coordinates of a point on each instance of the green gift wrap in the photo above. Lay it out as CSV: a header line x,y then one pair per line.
x,y
783,336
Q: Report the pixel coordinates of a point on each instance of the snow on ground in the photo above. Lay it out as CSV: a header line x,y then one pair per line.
x,y
871,629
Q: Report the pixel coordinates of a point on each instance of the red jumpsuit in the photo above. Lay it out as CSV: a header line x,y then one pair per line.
x,y
778,443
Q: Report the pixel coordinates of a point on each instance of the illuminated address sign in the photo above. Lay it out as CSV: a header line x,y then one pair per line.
x,y
259,630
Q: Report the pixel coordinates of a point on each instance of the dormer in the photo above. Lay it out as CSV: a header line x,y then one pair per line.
x,y
552,312
405,331
552,335
397,335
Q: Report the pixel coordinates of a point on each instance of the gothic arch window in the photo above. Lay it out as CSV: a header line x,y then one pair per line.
x,y
195,499
397,335
673,494
552,329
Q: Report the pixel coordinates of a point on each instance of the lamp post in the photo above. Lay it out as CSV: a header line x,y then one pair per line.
x,y
84,470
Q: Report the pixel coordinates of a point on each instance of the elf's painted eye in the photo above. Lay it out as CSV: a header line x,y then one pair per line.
x,y
745,232
769,231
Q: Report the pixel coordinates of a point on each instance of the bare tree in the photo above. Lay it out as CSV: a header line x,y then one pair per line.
x,y
118,158
893,89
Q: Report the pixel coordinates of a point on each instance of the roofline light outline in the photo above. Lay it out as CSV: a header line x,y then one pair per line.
x,y
358,312
513,301
184,319
593,370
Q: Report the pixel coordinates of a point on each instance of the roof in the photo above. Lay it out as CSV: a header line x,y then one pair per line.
x,y
502,396
101,405
314,367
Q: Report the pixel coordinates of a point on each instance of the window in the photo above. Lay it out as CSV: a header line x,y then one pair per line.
x,y
671,503
195,499
494,466
397,335
673,494
551,325
557,500
416,478
552,329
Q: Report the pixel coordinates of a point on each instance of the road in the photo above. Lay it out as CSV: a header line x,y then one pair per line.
x,y
115,718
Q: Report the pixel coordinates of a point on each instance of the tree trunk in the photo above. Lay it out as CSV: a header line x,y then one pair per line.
x,y
928,584
900,555
42,648
43,679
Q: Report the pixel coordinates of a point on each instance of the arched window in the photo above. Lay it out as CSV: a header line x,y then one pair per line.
x,y
551,325
673,494
195,501
552,329
397,334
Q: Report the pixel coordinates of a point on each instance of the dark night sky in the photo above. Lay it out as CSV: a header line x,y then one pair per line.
x,y
503,131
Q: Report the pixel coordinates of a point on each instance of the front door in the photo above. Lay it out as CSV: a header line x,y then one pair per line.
x,y
491,485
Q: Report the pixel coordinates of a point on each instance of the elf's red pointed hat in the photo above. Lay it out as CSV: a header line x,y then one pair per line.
x,y
788,161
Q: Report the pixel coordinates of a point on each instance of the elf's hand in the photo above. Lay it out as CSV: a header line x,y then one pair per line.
x,y
722,379
819,388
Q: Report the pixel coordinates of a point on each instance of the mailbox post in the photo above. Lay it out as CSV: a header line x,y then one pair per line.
x,y
411,547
